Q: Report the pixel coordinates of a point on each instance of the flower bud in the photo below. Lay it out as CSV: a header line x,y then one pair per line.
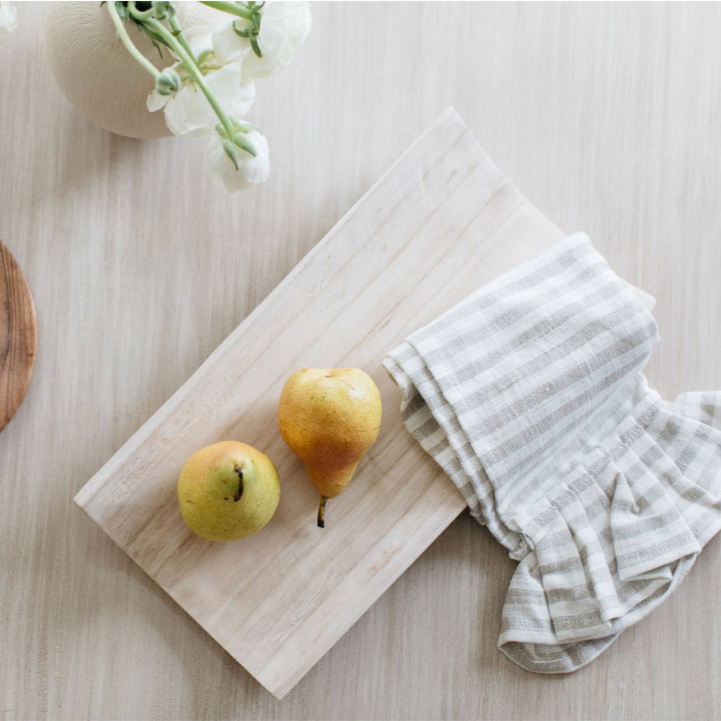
x,y
162,9
168,82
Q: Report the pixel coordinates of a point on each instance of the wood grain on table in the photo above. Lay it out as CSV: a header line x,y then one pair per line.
x,y
606,116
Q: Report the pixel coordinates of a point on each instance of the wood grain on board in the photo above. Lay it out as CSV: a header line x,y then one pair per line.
x,y
439,224
18,336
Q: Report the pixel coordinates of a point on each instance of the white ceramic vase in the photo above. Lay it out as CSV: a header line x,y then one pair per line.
x,y
99,76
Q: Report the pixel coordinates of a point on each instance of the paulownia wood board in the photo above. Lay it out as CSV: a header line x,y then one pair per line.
x,y
18,336
440,223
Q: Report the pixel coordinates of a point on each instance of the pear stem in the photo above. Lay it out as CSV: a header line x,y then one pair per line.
x,y
321,512
237,496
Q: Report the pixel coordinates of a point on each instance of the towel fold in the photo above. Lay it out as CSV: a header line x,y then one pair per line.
x,y
529,395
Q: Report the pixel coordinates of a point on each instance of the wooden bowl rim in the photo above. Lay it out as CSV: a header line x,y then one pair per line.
x,y
20,373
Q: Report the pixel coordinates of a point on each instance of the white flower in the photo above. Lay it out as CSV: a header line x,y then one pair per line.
x,y
187,111
251,169
283,28
8,20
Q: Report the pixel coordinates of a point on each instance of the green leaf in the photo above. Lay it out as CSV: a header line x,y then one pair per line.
x,y
231,152
156,39
203,57
243,143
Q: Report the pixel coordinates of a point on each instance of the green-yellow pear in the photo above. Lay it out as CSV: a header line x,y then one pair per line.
x,y
329,417
228,491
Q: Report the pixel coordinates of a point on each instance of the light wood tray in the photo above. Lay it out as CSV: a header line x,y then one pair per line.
x,y
440,223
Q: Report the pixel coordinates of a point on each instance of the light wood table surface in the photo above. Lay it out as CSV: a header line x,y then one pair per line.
x,y
608,116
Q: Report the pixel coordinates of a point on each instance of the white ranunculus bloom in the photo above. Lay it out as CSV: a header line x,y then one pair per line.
x,y
283,28
8,20
251,169
187,111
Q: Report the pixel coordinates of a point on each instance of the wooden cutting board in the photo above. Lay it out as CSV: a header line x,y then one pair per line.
x,y
18,336
440,223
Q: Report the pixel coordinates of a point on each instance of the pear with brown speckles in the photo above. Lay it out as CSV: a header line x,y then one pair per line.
x,y
330,418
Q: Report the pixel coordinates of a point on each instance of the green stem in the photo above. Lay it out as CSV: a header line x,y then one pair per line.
x,y
178,33
230,7
140,15
190,64
174,24
125,39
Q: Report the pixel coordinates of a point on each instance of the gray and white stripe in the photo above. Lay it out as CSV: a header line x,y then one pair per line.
x,y
529,395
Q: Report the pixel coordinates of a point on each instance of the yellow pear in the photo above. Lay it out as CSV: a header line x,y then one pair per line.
x,y
228,491
329,417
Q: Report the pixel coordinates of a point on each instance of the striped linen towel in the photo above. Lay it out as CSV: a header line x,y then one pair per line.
x,y
529,395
